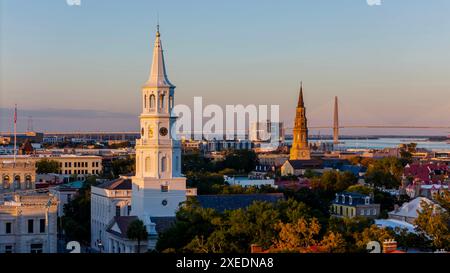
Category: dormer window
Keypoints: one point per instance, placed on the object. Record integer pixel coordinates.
(350, 200)
(367, 200)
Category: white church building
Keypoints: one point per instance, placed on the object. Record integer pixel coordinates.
(157, 188)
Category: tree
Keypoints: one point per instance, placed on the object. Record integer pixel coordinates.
(47, 166)
(297, 236)
(360, 189)
(385, 173)
(191, 221)
(333, 243)
(76, 221)
(407, 240)
(372, 233)
(137, 231)
(348, 227)
(243, 161)
(433, 222)
(123, 166)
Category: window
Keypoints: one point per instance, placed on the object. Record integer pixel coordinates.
(41, 225)
(171, 102)
(117, 211)
(161, 101)
(367, 200)
(36, 248)
(8, 228)
(374, 211)
(163, 164)
(28, 181)
(362, 212)
(8, 249)
(164, 188)
(69, 198)
(17, 182)
(145, 101)
(147, 164)
(30, 226)
(152, 101)
(6, 182)
(65, 164)
(129, 209)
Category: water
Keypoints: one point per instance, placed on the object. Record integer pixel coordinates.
(381, 143)
(393, 142)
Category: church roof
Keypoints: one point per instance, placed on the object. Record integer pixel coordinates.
(158, 75)
(303, 164)
(117, 184)
(119, 224)
(236, 201)
(163, 223)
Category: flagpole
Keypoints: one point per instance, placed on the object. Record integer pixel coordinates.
(15, 132)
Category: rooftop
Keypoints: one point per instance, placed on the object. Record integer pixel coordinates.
(121, 183)
(236, 201)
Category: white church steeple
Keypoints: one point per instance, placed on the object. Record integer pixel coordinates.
(158, 186)
(158, 75)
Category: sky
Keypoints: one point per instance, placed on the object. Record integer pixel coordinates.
(80, 68)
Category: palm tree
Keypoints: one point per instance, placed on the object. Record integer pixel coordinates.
(137, 231)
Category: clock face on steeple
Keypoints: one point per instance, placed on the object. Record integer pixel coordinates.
(163, 131)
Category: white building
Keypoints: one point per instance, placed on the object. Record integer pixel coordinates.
(158, 187)
(27, 218)
(246, 181)
(28, 224)
(108, 200)
(409, 211)
(265, 131)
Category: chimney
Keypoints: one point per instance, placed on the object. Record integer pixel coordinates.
(389, 246)
(255, 248)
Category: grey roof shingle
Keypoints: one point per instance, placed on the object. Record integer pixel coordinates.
(117, 184)
(236, 201)
(304, 164)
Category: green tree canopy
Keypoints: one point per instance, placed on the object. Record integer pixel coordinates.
(45, 165)
(137, 231)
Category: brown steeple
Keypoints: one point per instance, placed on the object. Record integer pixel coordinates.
(300, 97)
(300, 147)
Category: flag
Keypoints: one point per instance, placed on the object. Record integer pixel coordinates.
(15, 114)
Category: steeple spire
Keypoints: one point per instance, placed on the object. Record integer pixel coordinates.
(300, 97)
(158, 75)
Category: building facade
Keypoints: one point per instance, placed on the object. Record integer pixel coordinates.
(350, 204)
(108, 200)
(17, 175)
(28, 224)
(80, 166)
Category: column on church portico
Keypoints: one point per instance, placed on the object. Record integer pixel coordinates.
(118, 247)
(112, 245)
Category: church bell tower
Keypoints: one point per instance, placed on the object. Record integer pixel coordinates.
(300, 149)
(158, 187)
